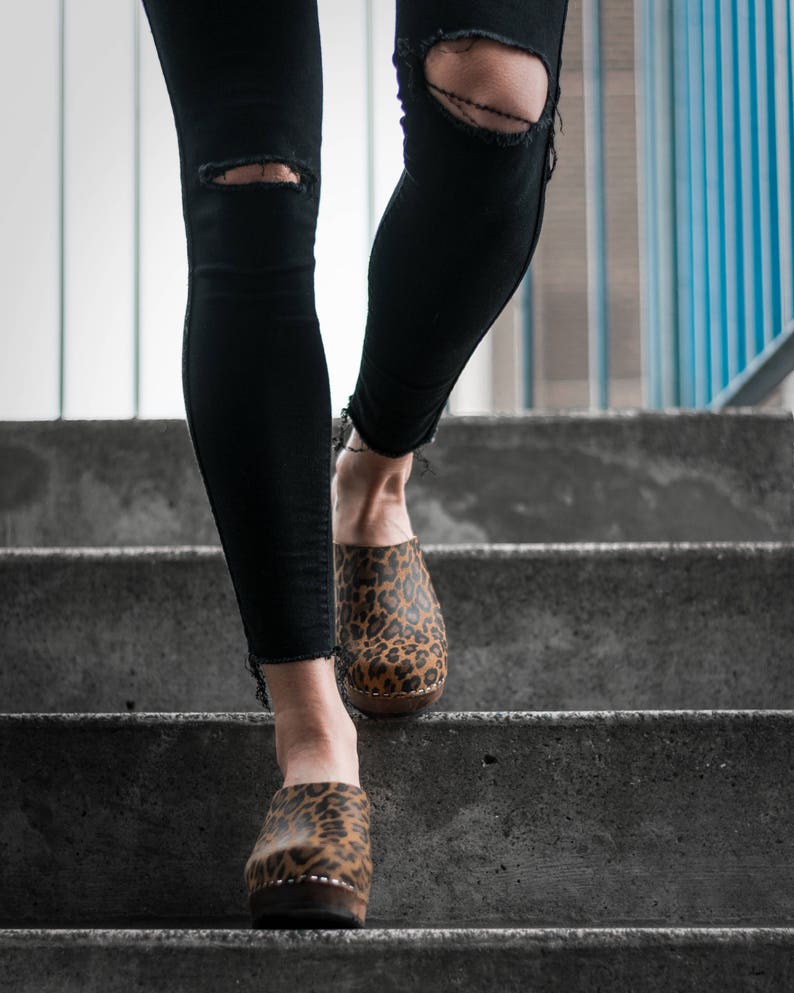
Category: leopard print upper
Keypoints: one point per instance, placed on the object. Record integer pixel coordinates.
(389, 620)
(318, 831)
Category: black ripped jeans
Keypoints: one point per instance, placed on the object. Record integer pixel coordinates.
(457, 236)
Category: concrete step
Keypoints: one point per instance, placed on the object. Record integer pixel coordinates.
(615, 476)
(530, 627)
(588, 960)
(478, 819)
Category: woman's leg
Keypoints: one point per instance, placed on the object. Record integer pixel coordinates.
(245, 84)
(479, 86)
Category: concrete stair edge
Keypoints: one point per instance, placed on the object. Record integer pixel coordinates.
(573, 960)
(582, 937)
(439, 550)
(493, 717)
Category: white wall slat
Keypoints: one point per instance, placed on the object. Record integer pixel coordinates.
(98, 209)
(163, 246)
(342, 227)
(388, 136)
(29, 240)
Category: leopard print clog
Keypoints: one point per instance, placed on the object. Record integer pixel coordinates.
(390, 628)
(311, 866)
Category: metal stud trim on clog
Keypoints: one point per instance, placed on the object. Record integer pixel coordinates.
(298, 879)
(427, 689)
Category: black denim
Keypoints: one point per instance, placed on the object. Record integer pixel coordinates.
(245, 84)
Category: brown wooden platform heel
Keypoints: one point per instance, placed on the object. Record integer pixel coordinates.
(311, 866)
(390, 626)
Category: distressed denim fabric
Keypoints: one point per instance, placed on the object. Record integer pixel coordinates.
(245, 84)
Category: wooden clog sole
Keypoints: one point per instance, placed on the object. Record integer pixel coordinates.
(398, 706)
(306, 905)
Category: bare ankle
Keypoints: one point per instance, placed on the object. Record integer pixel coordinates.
(367, 468)
(327, 757)
(368, 497)
(326, 727)
(308, 709)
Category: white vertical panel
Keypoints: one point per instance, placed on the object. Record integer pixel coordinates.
(98, 209)
(388, 135)
(342, 230)
(473, 392)
(163, 246)
(29, 178)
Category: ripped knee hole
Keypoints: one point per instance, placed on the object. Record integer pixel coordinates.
(257, 172)
(487, 83)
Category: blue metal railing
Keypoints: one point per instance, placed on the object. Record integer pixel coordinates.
(717, 90)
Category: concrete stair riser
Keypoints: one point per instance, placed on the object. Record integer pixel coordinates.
(427, 961)
(618, 476)
(478, 820)
(530, 627)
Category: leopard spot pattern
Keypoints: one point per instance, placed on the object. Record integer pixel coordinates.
(389, 620)
(318, 831)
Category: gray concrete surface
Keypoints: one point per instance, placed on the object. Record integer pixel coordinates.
(618, 476)
(478, 820)
(620, 960)
(529, 627)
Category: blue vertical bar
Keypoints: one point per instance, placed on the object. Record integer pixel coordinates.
(715, 218)
(700, 267)
(766, 187)
(728, 145)
(755, 156)
(790, 101)
(598, 339)
(683, 204)
(769, 135)
(782, 61)
(747, 181)
(737, 232)
(722, 330)
(790, 104)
